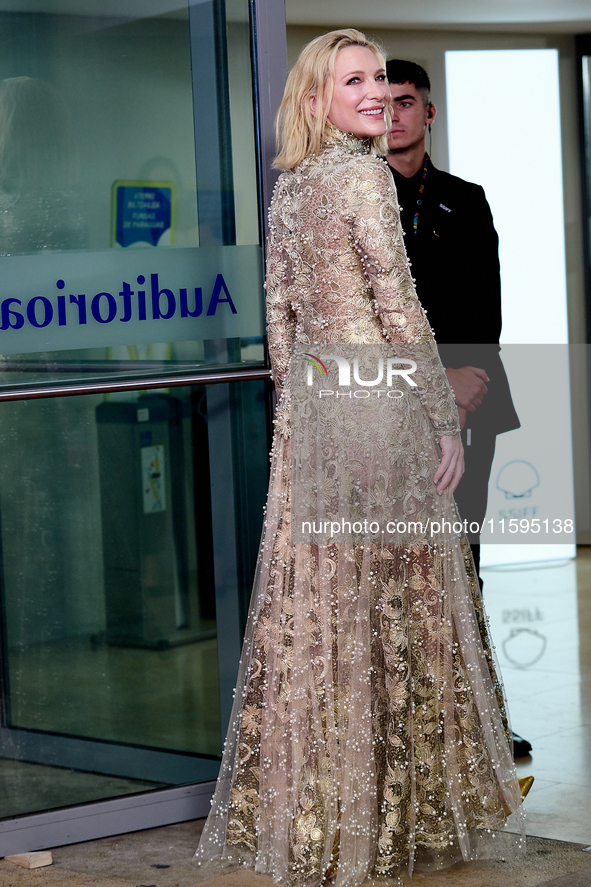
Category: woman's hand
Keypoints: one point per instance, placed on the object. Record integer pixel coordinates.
(451, 467)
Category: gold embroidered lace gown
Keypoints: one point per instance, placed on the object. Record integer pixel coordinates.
(369, 732)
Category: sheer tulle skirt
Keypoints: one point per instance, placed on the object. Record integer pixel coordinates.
(369, 730)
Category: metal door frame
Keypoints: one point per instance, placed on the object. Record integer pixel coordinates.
(583, 50)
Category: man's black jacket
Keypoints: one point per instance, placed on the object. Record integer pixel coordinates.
(455, 262)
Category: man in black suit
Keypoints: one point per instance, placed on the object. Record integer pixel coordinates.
(452, 245)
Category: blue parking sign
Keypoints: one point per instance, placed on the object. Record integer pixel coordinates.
(142, 213)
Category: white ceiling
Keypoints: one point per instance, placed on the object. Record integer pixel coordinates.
(563, 16)
(572, 16)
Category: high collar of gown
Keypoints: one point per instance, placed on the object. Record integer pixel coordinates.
(334, 137)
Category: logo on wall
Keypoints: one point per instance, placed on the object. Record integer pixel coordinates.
(524, 647)
(518, 479)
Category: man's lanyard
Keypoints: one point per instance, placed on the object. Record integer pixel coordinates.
(415, 219)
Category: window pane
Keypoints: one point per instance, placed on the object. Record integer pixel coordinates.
(113, 523)
(129, 225)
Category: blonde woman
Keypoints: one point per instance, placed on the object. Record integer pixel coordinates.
(369, 733)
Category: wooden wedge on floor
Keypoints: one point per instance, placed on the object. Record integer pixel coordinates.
(31, 860)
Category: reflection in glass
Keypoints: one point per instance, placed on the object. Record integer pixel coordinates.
(107, 579)
(121, 514)
(100, 590)
(39, 204)
(90, 99)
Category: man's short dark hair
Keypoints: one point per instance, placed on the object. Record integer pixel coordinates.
(402, 71)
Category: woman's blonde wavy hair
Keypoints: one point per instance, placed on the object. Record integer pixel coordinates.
(298, 133)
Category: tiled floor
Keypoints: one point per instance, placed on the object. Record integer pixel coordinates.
(541, 624)
(163, 857)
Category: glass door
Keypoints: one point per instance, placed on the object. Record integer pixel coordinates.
(133, 402)
(110, 526)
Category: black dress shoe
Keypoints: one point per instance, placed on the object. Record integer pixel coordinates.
(521, 747)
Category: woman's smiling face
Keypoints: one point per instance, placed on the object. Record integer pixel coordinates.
(360, 93)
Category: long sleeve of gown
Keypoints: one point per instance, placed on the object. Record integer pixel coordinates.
(378, 238)
(281, 320)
